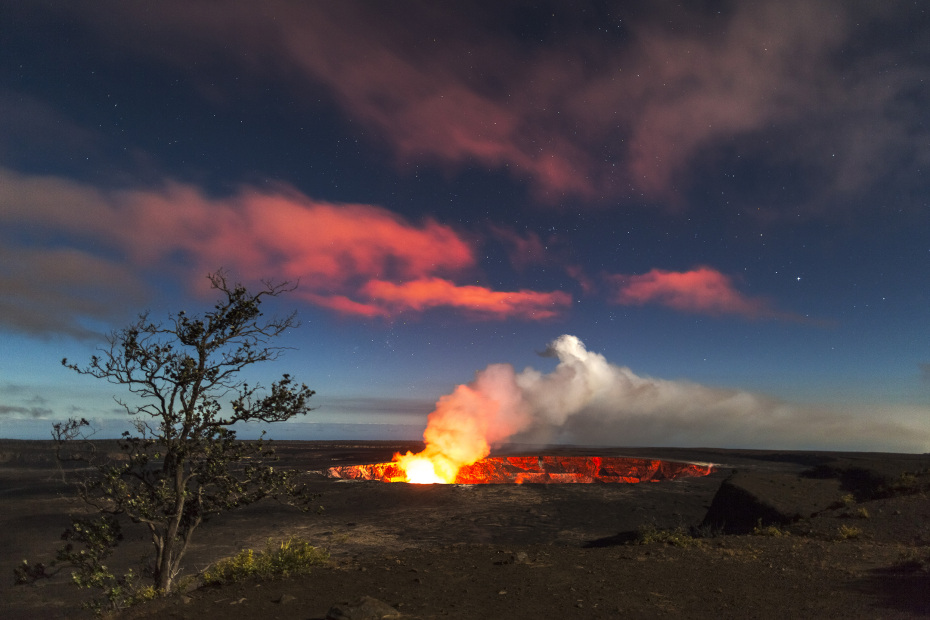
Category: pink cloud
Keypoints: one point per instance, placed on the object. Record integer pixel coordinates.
(353, 259)
(476, 300)
(343, 305)
(702, 291)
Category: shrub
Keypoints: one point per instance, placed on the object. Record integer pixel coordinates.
(287, 558)
(677, 537)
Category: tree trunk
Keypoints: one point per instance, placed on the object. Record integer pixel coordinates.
(164, 572)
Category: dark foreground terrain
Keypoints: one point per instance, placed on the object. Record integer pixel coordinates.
(842, 535)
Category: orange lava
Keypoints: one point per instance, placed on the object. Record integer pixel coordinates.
(533, 469)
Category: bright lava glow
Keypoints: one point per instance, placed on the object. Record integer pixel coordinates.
(420, 470)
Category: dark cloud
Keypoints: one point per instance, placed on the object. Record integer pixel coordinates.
(31, 412)
(53, 291)
(523, 250)
(32, 131)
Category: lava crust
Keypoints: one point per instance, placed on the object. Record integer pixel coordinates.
(542, 470)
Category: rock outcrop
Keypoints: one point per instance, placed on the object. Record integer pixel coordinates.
(747, 499)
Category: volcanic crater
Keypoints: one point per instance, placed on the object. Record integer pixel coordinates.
(541, 470)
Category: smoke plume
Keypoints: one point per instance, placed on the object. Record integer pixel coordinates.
(587, 400)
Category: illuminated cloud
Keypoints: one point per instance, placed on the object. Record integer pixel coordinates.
(584, 115)
(343, 305)
(354, 259)
(477, 300)
(702, 291)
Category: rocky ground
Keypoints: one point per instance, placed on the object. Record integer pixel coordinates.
(841, 536)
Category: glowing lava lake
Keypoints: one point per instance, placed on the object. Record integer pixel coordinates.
(541, 470)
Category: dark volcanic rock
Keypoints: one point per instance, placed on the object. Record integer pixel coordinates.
(366, 608)
(748, 499)
(869, 477)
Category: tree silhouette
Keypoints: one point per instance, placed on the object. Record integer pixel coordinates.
(184, 463)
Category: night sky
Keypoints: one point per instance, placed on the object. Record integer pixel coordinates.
(721, 196)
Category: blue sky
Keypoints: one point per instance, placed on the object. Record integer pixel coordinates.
(733, 195)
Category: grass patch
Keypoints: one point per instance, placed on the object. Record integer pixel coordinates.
(286, 558)
(677, 537)
(846, 532)
(769, 530)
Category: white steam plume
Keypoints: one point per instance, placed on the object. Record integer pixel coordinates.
(587, 400)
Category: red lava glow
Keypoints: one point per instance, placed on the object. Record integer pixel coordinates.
(538, 470)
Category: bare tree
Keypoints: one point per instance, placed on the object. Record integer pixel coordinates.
(184, 464)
